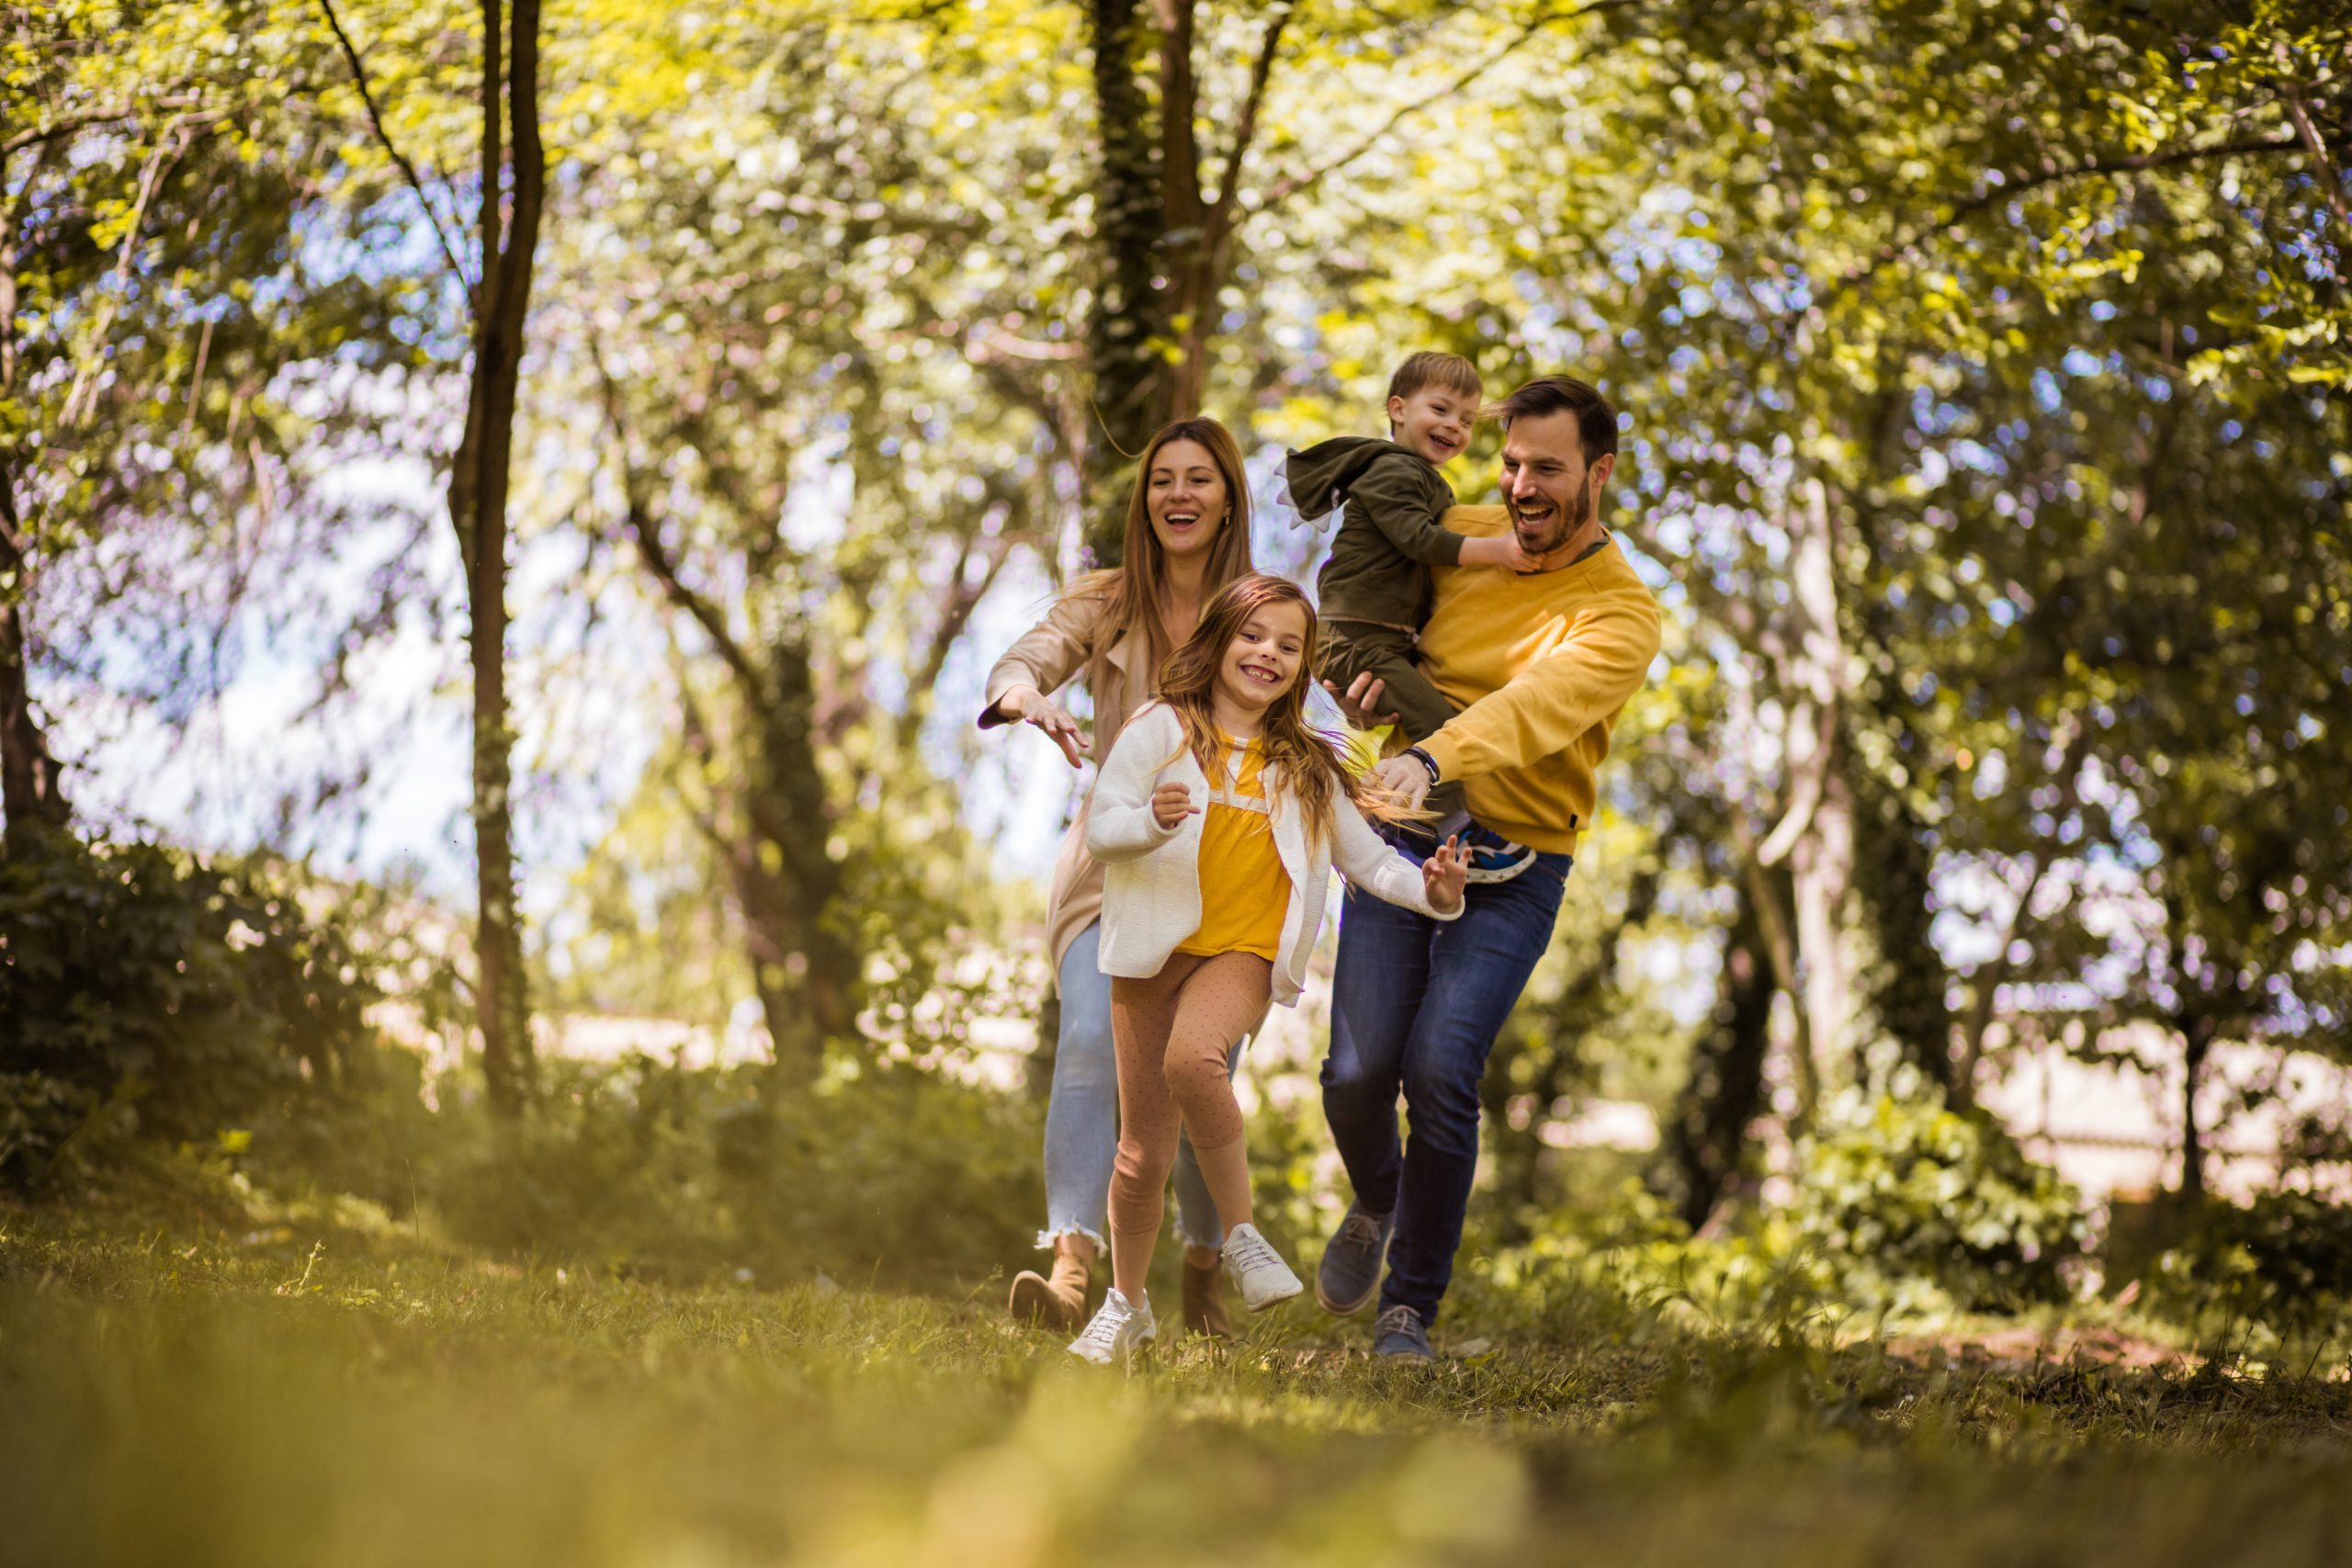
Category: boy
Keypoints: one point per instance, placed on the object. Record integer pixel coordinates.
(1374, 589)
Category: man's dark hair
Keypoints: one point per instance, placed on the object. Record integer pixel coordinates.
(1596, 417)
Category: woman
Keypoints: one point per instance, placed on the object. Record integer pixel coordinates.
(1187, 537)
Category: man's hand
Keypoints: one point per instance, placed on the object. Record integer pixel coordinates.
(1403, 779)
(1060, 726)
(1171, 804)
(1360, 701)
(1442, 875)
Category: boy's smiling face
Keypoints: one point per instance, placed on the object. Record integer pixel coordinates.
(1434, 422)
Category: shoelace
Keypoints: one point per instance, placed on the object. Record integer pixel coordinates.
(1251, 1252)
(1362, 1230)
(1398, 1320)
(1103, 1329)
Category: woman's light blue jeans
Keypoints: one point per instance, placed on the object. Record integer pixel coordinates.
(1082, 1118)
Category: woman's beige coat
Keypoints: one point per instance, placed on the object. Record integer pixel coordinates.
(1048, 655)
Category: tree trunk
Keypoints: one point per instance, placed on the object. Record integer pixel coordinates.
(809, 970)
(1130, 314)
(2197, 1043)
(478, 496)
(1725, 1090)
(1893, 869)
(29, 791)
(1821, 869)
(1817, 837)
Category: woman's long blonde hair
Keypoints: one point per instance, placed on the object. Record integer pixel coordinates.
(1133, 590)
(1310, 763)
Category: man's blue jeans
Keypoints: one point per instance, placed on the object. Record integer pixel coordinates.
(1415, 1005)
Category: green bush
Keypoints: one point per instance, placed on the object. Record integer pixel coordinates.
(891, 1171)
(177, 999)
(1894, 1194)
(1613, 1266)
(2281, 1264)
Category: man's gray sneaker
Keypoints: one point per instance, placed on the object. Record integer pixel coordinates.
(1349, 1275)
(1399, 1335)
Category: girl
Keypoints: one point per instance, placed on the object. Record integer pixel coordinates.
(1213, 897)
(1187, 537)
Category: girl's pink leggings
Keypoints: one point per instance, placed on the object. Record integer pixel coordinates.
(1175, 1036)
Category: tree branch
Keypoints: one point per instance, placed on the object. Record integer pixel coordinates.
(179, 135)
(1308, 178)
(963, 598)
(1245, 129)
(647, 533)
(2012, 185)
(376, 120)
(2329, 179)
(41, 133)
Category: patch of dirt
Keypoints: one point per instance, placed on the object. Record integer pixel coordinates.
(2022, 1349)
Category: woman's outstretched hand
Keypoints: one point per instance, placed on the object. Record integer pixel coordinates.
(1443, 874)
(1031, 706)
(1171, 804)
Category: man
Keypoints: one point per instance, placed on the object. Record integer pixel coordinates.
(1541, 664)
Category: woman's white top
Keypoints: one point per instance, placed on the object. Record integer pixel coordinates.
(1151, 898)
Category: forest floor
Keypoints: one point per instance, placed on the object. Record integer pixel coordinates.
(175, 1391)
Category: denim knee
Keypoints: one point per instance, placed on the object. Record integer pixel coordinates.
(1349, 1090)
(1084, 1054)
(1444, 1110)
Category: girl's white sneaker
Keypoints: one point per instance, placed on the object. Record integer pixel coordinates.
(1115, 1330)
(1257, 1270)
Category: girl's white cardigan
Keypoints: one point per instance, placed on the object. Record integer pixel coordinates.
(1151, 875)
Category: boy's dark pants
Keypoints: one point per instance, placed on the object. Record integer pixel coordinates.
(1350, 649)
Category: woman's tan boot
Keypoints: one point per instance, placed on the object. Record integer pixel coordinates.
(1058, 1301)
(1205, 1295)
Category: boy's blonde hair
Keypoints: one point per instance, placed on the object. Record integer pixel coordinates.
(1430, 368)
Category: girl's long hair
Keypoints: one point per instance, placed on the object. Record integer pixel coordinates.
(1133, 590)
(1309, 762)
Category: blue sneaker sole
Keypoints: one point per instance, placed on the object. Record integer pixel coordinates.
(1372, 1291)
(1347, 1309)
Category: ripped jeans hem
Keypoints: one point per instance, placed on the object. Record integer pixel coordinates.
(1047, 1238)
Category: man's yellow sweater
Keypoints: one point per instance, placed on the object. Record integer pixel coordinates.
(1541, 665)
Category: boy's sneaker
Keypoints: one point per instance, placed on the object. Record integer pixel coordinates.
(1349, 1275)
(1257, 1270)
(1116, 1329)
(1399, 1335)
(1493, 858)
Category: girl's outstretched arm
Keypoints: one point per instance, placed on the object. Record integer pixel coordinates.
(1121, 824)
(1366, 860)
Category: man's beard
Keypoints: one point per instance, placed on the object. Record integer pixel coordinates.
(1567, 520)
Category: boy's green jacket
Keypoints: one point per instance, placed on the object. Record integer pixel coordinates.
(1389, 534)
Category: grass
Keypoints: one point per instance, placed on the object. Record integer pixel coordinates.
(175, 1391)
